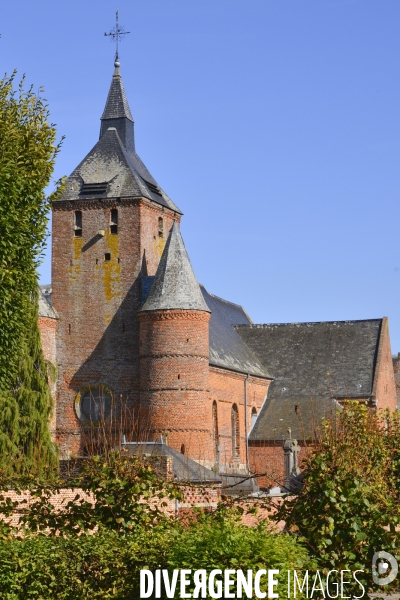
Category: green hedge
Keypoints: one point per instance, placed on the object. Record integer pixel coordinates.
(106, 565)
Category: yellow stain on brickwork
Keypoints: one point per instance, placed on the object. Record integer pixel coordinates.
(77, 242)
(112, 269)
(159, 244)
(75, 269)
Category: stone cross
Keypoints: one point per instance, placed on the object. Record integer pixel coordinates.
(291, 449)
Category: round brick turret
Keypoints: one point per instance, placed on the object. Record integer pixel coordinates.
(174, 388)
(174, 357)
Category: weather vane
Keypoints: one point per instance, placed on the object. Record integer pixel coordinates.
(117, 34)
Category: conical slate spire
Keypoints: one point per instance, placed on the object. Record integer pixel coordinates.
(175, 285)
(117, 112)
(112, 169)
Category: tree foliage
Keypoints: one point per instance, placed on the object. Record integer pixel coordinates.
(25, 411)
(117, 492)
(349, 507)
(220, 541)
(107, 566)
(27, 154)
(95, 546)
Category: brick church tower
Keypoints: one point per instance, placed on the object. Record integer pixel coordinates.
(108, 228)
(174, 356)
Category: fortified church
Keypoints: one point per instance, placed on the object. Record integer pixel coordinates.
(127, 323)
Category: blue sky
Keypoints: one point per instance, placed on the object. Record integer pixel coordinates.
(273, 124)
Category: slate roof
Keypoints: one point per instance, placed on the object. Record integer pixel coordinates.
(279, 414)
(175, 285)
(183, 467)
(113, 169)
(311, 363)
(45, 307)
(117, 103)
(227, 349)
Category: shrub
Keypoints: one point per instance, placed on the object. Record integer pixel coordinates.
(349, 506)
(106, 565)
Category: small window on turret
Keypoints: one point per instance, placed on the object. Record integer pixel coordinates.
(160, 227)
(78, 223)
(114, 221)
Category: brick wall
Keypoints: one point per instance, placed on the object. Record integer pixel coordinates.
(174, 394)
(226, 389)
(205, 497)
(384, 388)
(48, 330)
(396, 370)
(48, 333)
(267, 461)
(97, 300)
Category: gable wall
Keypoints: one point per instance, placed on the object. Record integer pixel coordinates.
(396, 369)
(384, 388)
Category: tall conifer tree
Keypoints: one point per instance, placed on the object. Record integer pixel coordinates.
(27, 154)
(25, 410)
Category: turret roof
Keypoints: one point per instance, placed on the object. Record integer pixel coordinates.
(45, 304)
(175, 285)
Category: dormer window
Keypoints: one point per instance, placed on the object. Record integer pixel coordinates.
(153, 187)
(94, 189)
(160, 227)
(114, 221)
(78, 223)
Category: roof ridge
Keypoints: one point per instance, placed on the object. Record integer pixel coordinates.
(261, 325)
(223, 299)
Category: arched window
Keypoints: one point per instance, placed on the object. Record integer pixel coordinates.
(78, 223)
(235, 433)
(94, 404)
(114, 221)
(183, 449)
(160, 227)
(253, 417)
(215, 432)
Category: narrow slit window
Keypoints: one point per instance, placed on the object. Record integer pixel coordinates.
(78, 223)
(160, 227)
(235, 433)
(114, 221)
(215, 432)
